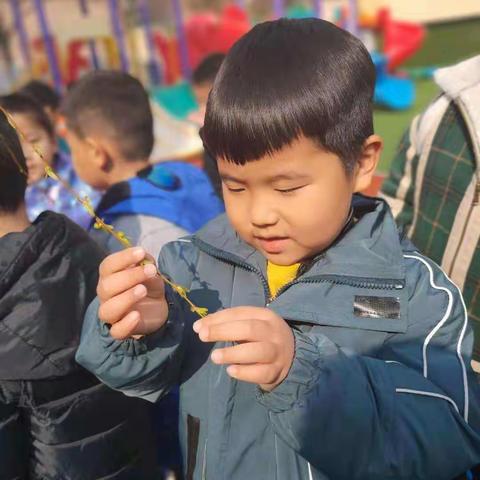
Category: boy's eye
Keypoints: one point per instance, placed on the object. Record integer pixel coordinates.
(235, 190)
(288, 190)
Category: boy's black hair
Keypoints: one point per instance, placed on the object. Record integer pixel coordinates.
(287, 79)
(208, 68)
(13, 168)
(113, 104)
(24, 104)
(42, 93)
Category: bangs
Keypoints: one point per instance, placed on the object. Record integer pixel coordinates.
(290, 79)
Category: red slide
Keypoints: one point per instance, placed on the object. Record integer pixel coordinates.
(400, 39)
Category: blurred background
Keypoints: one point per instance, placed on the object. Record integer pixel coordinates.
(163, 41)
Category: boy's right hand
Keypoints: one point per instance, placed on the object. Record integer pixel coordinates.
(132, 297)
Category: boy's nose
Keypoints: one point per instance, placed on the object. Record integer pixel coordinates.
(263, 215)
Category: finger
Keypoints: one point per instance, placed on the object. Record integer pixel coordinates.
(119, 282)
(260, 373)
(126, 327)
(245, 353)
(116, 262)
(236, 331)
(114, 309)
(233, 314)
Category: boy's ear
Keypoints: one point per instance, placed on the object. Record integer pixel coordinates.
(367, 163)
(98, 153)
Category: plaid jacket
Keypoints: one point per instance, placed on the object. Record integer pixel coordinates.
(434, 184)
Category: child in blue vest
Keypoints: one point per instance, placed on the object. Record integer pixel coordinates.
(110, 132)
(333, 349)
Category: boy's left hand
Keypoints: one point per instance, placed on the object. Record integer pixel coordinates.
(265, 344)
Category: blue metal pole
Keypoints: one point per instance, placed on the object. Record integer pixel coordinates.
(182, 39)
(352, 20)
(49, 45)
(91, 43)
(318, 8)
(153, 64)
(119, 34)
(22, 33)
(278, 8)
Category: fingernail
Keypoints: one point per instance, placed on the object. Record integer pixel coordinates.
(150, 270)
(197, 326)
(139, 291)
(139, 253)
(232, 370)
(216, 356)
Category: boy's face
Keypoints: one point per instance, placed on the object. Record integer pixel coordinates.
(85, 162)
(293, 204)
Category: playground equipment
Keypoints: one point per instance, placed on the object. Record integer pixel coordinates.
(163, 58)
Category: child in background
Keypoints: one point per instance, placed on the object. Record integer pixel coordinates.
(56, 420)
(50, 101)
(110, 133)
(203, 77)
(45, 96)
(202, 82)
(333, 349)
(44, 193)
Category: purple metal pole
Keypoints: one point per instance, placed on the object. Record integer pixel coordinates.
(182, 39)
(91, 43)
(49, 45)
(318, 8)
(278, 8)
(153, 64)
(22, 33)
(118, 32)
(352, 20)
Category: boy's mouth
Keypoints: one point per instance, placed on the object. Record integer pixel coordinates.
(272, 245)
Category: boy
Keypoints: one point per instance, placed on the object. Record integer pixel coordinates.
(56, 420)
(333, 350)
(110, 133)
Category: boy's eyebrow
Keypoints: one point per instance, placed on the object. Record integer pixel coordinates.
(271, 179)
(230, 178)
(287, 176)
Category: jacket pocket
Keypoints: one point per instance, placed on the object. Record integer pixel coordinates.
(193, 434)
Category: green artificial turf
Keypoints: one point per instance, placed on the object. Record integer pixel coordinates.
(445, 44)
(391, 125)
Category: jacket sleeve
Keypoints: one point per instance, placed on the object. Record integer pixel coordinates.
(147, 367)
(411, 412)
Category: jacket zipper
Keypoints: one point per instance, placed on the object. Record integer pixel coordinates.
(235, 261)
(358, 282)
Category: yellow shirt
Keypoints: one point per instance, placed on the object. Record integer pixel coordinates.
(279, 275)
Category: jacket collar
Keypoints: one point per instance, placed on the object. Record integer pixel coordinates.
(371, 248)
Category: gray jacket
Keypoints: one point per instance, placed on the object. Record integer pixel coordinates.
(380, 386)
